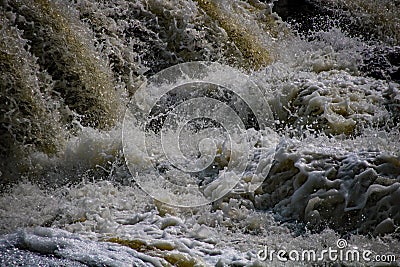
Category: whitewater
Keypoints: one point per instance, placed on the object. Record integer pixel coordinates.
(199, 133)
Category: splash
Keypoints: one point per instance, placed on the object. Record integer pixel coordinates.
(69, 69)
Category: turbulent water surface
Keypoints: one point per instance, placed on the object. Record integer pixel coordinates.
(199, 133)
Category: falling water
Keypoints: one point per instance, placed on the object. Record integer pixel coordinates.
(296, 147)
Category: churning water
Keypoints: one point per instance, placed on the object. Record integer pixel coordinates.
(199, 133)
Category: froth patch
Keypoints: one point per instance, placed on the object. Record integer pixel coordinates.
(331, 102)
(333, 185)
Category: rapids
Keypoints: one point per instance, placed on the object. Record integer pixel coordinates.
(198, 133)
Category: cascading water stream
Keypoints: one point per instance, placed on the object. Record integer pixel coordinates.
(198, 133)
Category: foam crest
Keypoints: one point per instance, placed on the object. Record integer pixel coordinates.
(331, 183)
